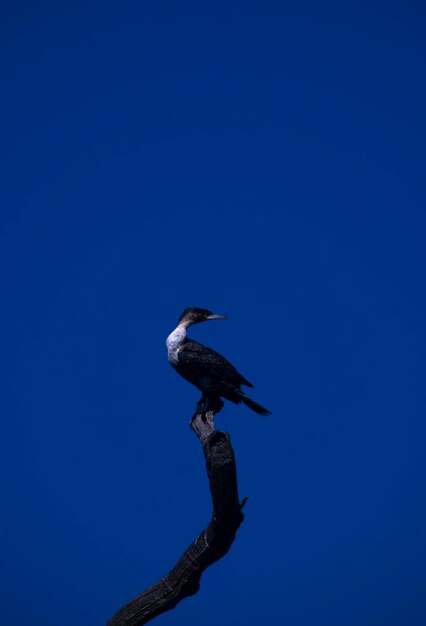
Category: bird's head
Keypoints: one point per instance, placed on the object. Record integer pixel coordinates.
(195, 316)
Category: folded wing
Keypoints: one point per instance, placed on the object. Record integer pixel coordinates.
(200, 361)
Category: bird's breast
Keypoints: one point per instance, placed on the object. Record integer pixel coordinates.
(174, 342)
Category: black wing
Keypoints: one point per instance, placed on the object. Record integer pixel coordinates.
(205, 362)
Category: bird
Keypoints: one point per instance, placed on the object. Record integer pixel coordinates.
(208, 370)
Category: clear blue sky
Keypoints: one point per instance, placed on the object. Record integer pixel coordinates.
(263, 160)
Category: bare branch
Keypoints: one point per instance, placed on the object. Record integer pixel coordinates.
(213, 542)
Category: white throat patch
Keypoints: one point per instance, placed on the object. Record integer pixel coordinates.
(174, 342)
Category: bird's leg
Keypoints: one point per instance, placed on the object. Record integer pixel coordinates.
(216, 404)
(203, 417)
(209, 403)
(200, 408)
(203, 405)
(201, 402)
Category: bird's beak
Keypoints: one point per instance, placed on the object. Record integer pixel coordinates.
(217, 317)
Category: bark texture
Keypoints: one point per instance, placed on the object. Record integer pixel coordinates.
(213, 542)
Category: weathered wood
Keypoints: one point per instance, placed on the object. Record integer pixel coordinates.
(213, 542)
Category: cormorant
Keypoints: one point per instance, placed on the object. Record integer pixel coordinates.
(209, 371)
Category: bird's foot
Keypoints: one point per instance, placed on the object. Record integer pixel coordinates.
(209, 403)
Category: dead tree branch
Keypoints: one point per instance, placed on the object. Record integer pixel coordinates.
(213, 542)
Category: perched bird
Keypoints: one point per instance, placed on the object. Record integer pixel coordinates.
(209, 371)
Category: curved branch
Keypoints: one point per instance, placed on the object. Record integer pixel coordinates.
(213, 542)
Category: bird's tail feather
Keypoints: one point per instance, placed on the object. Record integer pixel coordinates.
(254, 406)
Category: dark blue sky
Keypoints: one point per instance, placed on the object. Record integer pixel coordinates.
(262, 160)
